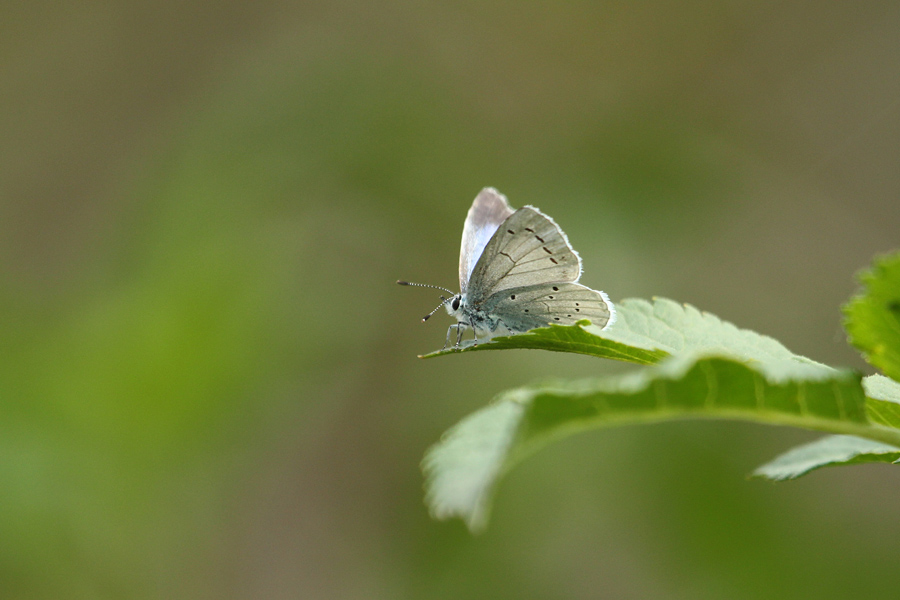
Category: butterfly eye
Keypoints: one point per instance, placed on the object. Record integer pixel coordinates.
(455, 304)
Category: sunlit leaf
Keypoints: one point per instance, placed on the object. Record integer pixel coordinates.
(645, 333)
(828, 451)
(882, 400)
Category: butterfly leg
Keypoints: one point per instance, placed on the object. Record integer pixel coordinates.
(458, 334)
(460, 328)
(474, 331)
(447, 341)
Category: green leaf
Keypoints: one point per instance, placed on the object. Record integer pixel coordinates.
(644, 333)
(463, 469)
(882, 408)
(873, 316)
(829, 451)
(882, 400)
(576, 338)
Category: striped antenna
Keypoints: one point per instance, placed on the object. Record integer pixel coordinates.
(437, 287)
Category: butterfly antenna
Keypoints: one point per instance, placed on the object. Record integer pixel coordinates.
(428, 316)
(437, 287)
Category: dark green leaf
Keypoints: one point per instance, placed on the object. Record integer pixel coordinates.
(873, 316)
(462, 470)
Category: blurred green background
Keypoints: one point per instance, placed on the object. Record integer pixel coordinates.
(208, 381)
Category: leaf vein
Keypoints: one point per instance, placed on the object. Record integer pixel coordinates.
(842, 411)
(758, 392)
(712, 385)
(801, 399)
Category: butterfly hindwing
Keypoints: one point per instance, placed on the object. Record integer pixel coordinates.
(489, 210)
(524, 308)
(527, 249)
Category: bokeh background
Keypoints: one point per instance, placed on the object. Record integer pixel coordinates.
(208, 378)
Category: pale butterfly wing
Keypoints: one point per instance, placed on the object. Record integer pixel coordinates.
(489, 210)
(523, 308)
(527, 249)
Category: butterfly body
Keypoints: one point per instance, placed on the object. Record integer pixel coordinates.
(517, 271)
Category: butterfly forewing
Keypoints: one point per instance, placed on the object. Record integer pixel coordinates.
(524, 308)
(527, 249)
(489, 210)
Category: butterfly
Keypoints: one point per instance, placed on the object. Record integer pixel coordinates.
(517, 271)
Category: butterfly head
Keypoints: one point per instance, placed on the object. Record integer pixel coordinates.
(454, 306)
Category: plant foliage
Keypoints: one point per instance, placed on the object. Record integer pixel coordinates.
(693, 365)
